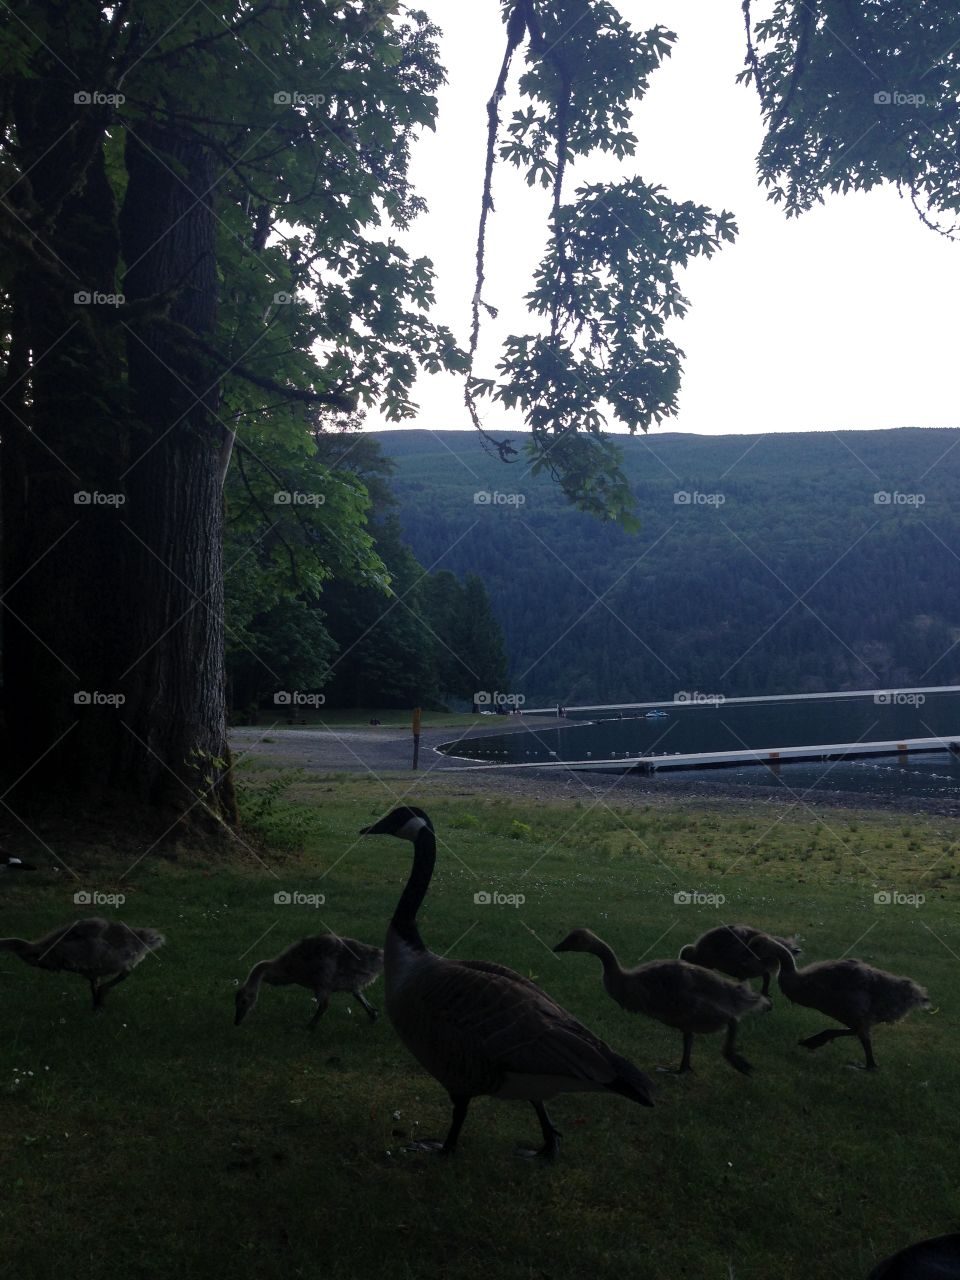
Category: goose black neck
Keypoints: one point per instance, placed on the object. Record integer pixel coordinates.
(405, 917)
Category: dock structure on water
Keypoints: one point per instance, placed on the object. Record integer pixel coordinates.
(773, 758)
(652, 761)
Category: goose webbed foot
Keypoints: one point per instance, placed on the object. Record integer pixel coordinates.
(549, 1151)
(739, 1064)
(431, 1146)
(676, 1071)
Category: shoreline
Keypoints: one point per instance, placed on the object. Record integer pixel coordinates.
(387, 750)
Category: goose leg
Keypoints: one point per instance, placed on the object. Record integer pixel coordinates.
(824, 1037)
(684, 1066)
(95, 993)
(322, 1001)
(729, 1050)
(371, 1011)
(105, 987)
(449, 1144)
(551, 1138)
(870, 1064)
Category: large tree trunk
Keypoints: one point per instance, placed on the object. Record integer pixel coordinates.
(113, 610)
(176, 708)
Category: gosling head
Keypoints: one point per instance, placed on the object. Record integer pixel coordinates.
(245, 1000)
(688, 953)
(405, 823)
(766, 948)
(578, 940)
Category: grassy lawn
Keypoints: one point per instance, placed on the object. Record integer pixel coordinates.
(158, 1140)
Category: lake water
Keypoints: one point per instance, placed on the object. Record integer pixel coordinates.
(604, 737)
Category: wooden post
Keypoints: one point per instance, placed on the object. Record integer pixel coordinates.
(416, 737)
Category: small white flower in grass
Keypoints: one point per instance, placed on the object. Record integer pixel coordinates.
(396, 1115)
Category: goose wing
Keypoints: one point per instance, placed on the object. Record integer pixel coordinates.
(481, 1028)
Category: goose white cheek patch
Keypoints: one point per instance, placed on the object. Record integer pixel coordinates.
(410, 829)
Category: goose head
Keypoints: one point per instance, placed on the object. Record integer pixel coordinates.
(688, 953)
(245, 1000)
(405, 823)
(578, 940)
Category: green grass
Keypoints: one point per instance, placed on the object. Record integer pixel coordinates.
(159, 1140)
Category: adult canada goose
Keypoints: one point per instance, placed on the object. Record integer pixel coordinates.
(322, 964)
(479, 1028)
(686, 996)
(937, 1259)
(729, 949)
(856, 994)
(93, 948)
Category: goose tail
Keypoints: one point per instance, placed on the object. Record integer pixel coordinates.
(630, 1082)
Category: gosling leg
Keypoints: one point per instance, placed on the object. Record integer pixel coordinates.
(322, 1001)
(105, 987)
(730, 1052)
(684, 1067)
(371, 1011)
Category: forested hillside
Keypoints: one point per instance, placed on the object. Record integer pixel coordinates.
(799, 563)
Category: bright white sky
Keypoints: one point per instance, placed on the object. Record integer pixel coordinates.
(840, 319)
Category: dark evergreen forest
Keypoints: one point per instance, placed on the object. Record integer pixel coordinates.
(800, 563)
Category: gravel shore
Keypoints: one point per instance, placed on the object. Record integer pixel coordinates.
(385, 750)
